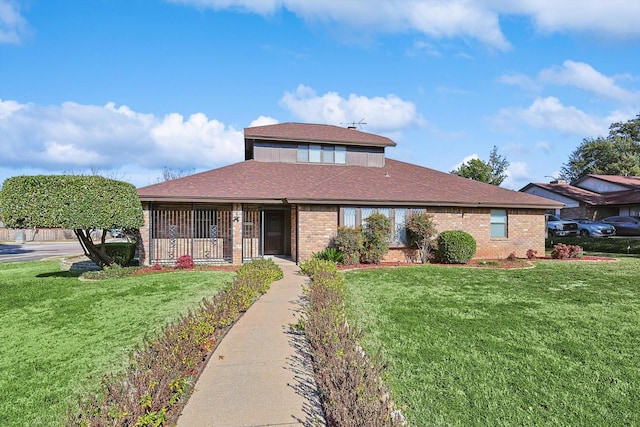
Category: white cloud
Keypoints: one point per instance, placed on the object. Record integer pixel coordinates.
(618, 18)
(261, 7)
(584, 76)
(468, 19)
(263, 121)
(465, 160)
(518, 175)
(74, 136)
(13, 26)
(520, 80)
(549, 114)
(386, 114)
(544, 146)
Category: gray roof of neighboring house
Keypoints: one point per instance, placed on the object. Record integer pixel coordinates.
(624, 197)
(397, 183)
(632, 182)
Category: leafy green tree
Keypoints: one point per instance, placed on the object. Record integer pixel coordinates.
(377, 234)
(617, 154)
(81, 203)
(491, 172)
(421, 230)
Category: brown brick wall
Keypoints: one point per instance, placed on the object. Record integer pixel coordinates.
(317, 225)
(294, 226)
(236, 233)
(593, 213)
(143, 244)
(526, 230)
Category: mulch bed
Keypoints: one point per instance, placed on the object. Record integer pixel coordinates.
(483, 263)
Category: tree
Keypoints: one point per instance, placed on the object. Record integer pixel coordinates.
(491, 172)
(617, 154)
(421, 230)
(169, 174)
(377, 232)
(81, 203)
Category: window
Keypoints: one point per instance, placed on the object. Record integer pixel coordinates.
(354, 217)
(327, 154)
(399, 229)
(498, 223)
(349, 217)
(341, 155)
(303, 153)
(315, 154)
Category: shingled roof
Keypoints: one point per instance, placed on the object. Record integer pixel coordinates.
(623, 197)
(632, 182)
(306, 132)
(397, 183)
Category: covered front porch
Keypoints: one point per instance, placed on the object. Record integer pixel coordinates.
(215, 233)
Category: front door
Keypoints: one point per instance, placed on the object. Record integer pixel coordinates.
(274, 231)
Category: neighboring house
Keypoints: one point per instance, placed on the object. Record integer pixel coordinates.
(592, 196)
(300, 182)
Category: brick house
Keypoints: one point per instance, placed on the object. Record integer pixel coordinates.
(300, 182)
(592, 196)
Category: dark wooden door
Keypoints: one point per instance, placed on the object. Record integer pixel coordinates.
(274, 232)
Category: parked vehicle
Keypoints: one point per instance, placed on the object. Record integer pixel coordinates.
(588, 228)
(561, 227)
(625, 225)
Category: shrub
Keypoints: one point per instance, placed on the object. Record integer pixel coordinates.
(562, 251)
(455, 247)
(329, 254)
(421, 229)
(511, 257)
(313, 265)
(185, 262)
(349, 382)
(156, 384)
(121, 252)
(531, 254)
(377, 232)
(350, 242)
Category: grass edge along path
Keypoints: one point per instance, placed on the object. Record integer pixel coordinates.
(157, 383)
(60, 334)
(554, 345)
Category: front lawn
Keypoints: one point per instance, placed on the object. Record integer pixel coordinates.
(59, 335)
(554, 345)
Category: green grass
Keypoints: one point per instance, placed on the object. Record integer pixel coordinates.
(59, 335)
(557, 345)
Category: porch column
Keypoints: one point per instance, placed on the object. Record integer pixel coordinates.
(236, 223)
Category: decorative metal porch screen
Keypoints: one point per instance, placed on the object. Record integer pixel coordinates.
(204, 232)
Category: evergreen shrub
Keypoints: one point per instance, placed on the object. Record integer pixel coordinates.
(455, 247)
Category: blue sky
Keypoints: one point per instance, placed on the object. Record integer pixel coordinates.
(125, 88)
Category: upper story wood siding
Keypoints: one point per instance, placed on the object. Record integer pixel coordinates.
(280, 152)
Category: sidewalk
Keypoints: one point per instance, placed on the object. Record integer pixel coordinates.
(259, 375)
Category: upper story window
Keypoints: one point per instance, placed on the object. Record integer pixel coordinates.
(313, 153)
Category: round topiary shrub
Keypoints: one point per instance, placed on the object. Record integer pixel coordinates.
(455, 247)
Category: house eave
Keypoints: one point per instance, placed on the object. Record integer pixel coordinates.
(168, 199)
(423, 203)
(319, 141)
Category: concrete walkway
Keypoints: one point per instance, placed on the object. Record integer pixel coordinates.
(259, 375)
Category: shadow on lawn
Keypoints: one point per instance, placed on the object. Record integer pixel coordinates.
(60, 274)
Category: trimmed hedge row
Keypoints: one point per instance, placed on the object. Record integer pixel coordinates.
(349, 381)
(158, 381)
(615, 245)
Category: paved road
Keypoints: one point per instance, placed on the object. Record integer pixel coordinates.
(30, 251)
